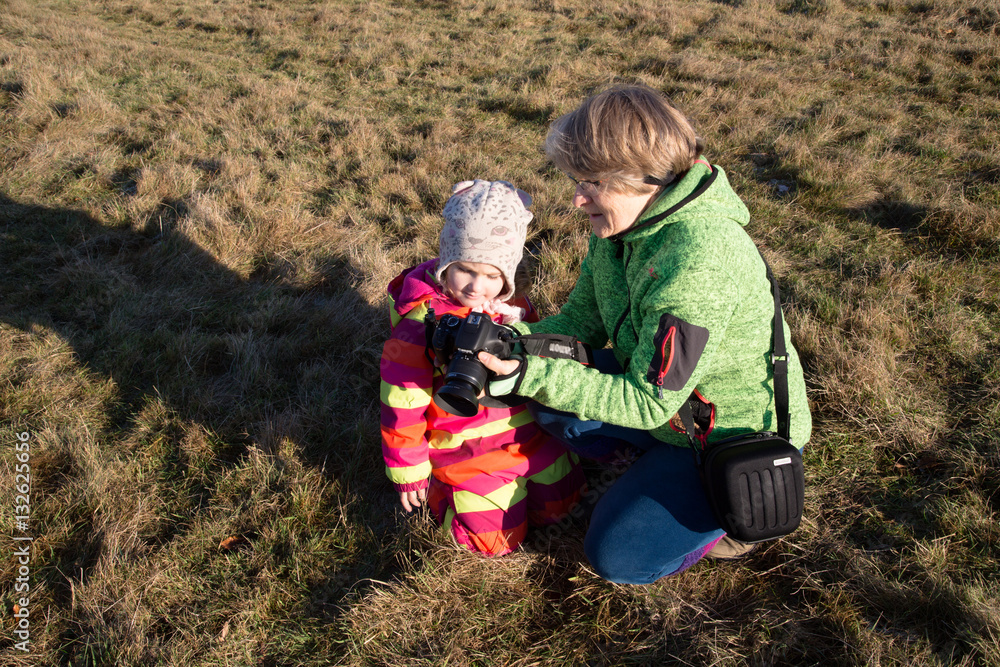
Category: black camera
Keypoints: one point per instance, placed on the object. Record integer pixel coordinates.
(458, 342)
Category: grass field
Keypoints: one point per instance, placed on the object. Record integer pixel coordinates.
(202, 201)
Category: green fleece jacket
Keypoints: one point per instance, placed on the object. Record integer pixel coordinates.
(686, 304)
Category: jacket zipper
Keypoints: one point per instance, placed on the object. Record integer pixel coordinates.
(665, 361)
(628, 298)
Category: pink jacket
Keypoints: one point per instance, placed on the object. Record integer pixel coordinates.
(419, 438)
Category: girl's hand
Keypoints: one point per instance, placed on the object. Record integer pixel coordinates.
(497, 365)
(411, 499)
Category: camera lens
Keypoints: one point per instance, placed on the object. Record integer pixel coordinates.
(464, 381)
(458, 398)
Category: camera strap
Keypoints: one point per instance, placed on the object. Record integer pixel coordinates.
(556, 346)
(430, 326)
(551, 346)
(779, 363)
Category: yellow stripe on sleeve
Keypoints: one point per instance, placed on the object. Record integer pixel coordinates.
(410, 474)
(405, 398)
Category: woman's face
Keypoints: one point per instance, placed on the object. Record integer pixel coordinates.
(611, 212)
(472, 283)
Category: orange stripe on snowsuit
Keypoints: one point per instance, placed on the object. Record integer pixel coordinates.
(402, 437)
(497, 461)
(500, 530)
(552, 512)
(498, 542)
(491, 533)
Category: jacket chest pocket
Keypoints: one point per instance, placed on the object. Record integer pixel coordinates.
(677, 347)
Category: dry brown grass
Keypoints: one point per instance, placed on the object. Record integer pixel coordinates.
(201, 204)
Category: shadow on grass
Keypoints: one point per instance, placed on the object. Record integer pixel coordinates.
(518, 110)
(909, 553)
(161, 318)
(894, 563)
(890, 214)
(255, 363)
(926, 230)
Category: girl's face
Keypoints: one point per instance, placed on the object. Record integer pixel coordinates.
(472, 283)
(611, 212)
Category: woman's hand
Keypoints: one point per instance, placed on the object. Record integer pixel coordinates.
(499, 366)
(411, 499)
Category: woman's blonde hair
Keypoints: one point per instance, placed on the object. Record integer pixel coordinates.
(626, 137)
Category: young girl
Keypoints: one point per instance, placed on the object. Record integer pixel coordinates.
(488, 476)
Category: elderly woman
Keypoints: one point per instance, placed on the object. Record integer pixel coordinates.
(674, 283)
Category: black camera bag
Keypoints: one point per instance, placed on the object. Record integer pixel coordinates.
(755, 483)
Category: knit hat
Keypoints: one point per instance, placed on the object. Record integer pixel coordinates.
(485, 222)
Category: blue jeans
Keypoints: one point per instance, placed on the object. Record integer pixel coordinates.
(655, 520)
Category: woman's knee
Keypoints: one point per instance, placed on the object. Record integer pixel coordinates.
(649, 524)
(622, 562)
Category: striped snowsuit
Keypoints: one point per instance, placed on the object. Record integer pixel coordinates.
(491, 474)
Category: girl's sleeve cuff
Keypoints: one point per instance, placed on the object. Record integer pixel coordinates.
(412, 486)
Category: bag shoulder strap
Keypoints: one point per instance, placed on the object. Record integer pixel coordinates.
(779, 366)
(779, 358)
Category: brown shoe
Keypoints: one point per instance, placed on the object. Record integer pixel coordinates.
(729, 549)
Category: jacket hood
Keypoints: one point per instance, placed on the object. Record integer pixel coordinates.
(704, 187)
(414, 286)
